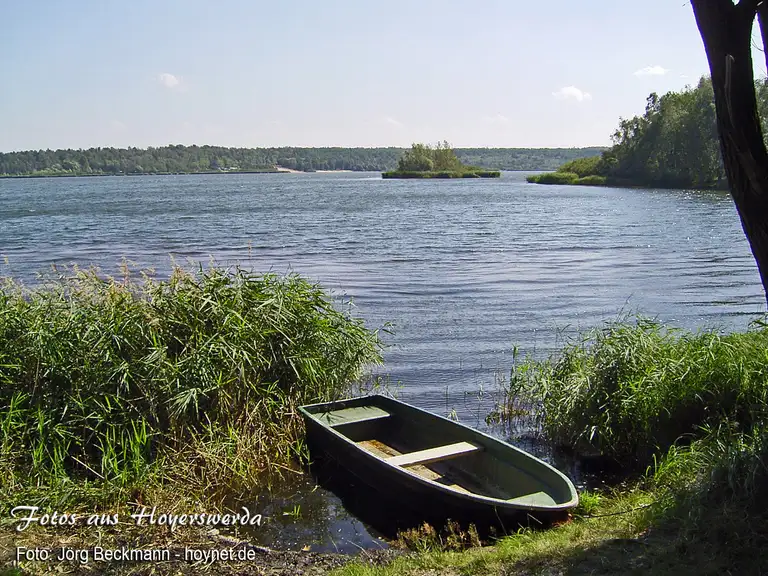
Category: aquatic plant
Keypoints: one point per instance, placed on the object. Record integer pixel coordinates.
(193, 380)
(553, 178)
(630, 390)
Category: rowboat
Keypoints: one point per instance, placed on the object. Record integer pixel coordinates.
(435, 467)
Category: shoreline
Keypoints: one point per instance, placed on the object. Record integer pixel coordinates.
(279, 170)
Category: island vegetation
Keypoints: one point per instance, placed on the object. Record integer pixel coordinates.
(674, 144)
(178, 159)
(438, 161)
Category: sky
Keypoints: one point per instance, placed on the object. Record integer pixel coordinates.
(485, 73)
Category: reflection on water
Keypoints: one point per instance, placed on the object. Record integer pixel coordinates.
(465, 270)
(301, 513)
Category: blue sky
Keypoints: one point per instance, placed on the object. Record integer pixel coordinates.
(335, 73)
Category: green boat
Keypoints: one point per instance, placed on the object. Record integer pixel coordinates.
(436, 468)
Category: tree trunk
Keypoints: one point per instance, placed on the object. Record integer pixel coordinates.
(726, 30)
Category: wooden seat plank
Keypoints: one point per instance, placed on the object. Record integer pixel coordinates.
(433, 454)
(352, 415)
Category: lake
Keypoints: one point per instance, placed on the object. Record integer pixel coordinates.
(465, 270)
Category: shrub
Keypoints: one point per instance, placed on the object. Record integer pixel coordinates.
(584, 166)
(553, 178)
(593, 180)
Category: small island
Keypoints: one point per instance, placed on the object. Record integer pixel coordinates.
(439, 161)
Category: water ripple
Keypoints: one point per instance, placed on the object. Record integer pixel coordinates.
(464, 270)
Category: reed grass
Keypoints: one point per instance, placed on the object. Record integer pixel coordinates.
(191, 382)
(632, 389)
(714, 496)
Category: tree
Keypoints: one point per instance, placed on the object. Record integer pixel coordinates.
(444, 158)
(726, 30)
(417, 159)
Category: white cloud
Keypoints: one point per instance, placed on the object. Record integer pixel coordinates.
(572, 93)
(497, 119)
(117, 125)
(651, 71)
(169, 80)
(392, 122)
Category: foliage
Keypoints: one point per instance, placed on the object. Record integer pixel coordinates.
(553, 178)
(467, 173)
(523, 158)
(571, 548)
(425, 538)
(593, 180)
(674, 144)
(426, 158)
(439, 161)
(104, 378)
(418, 159)
(203, 159)
(631, 390)
(582, 167)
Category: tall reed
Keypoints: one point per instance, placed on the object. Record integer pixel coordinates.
(630, 390)
(107, 379)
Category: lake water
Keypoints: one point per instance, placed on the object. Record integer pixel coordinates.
(465, 270)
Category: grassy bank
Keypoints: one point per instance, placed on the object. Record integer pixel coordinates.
(629, 391)
(684, 414)
(135, 389)
(580, 172)
(442, 174)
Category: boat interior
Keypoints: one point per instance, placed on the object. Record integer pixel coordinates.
(453, 456)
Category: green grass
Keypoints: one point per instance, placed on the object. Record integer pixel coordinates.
(479, 173)
(583, 166)
(554, 551)
(111, 386)
(592, 180)
(629, 391)
(553, 178)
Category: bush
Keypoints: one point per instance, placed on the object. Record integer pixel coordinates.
(553, 178)
(713, 495)
(593, 180)
(592, 165)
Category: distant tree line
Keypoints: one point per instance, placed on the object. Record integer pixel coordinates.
(199, 159)
(674, 144)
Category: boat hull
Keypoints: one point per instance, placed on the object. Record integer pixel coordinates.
(406, 498)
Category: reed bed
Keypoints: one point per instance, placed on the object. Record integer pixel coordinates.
(632, 389)
(688, 409)
(190, 382)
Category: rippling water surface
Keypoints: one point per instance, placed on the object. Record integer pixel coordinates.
(464, 269)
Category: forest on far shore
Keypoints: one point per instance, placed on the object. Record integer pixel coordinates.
(674, 144)
(178, 159)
